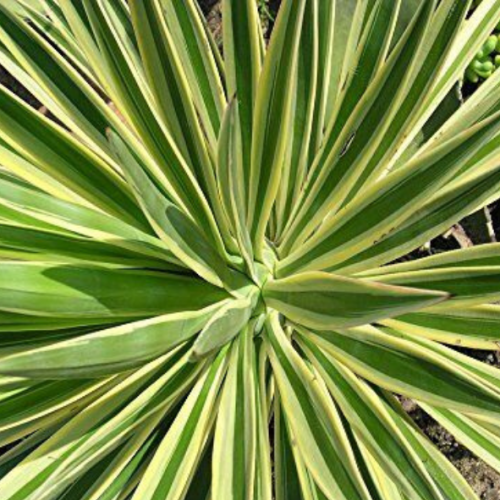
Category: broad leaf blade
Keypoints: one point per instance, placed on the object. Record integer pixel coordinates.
(326, 301)
(96, 355)
(94, 292)
(222, 327)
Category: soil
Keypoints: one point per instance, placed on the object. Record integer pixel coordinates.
(484, 480)
(11, 83)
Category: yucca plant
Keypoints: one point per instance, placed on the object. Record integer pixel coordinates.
(203, 290)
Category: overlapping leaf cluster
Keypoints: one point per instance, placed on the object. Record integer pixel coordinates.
(197, 249)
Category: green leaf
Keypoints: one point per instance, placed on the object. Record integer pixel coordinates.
(51, 22)
(308, 105)
(405, 367)
(41, 399)
(326, 301)
(199, 61)
(431, 60)
(273, 109)
(183, 237)
(347, 24)
(450, 481)
(313, 420)
(223, 326)
(369, 59)
(53, 151)
(169, 473)
(66, 291)
(138, 402)
(470, 40)
(45, 245)
(287, 479)
(435, 216)
(199, 488)
(388, 203)
(361, 407)
(323, 35)
(475, 437)
(243, 62)
(95, 354)
(11, 458)
(235, 441)
(476, 256)
(406, 13)
(477, 327)
(465, 285)
(53, 80)
(332, 172)
(483, 373)
(230, 180)
(170, 86)
(125, 79)
(168, 82)
(26, 206)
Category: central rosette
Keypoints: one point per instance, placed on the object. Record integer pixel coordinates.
(316, 300)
